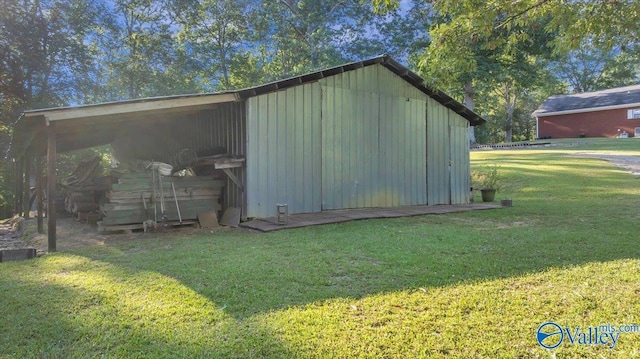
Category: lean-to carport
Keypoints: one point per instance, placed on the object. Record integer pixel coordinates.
(51, 131)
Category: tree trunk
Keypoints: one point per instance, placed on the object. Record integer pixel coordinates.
(468, 101)
(508, 126)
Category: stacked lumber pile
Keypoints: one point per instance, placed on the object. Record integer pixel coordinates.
(132, 199)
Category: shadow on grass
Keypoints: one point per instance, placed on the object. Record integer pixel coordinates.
(88, 309)
(250, 274)
(552, 225)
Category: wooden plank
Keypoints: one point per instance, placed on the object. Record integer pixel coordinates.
(19, 187)
(51, 187)
(160, 104)
(149, 201)
(139, 215)
(231, 217)
(233, 178)
(191, 216)
(110, 207)
(133, 226)
(26, 204)
(147, 177)
(131, 175)
(177, 184)
(39, 191)
(114, 196)
(91, 187)
(208, 219)
(221, 166)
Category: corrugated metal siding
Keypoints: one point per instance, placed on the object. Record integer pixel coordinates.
(353, 140)
(228, 129)
(459, 150)
(438, 177)
(223, 126)
(284, 151)
(373, 131)
(403, 150)
(447, 156)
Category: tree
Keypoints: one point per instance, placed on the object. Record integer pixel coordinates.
(43, 59)
(300, 36)
(217, 34)
(44, 62)
(469, 35)
(608, 22)
(589, 68)
(401, 33)
(140, 53)
(504, 69)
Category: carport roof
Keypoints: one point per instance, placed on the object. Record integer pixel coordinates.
(94, 125)
(620, 97)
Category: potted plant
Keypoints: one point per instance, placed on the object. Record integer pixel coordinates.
(488, 180)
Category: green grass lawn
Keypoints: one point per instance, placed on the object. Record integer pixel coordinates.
(467, 285)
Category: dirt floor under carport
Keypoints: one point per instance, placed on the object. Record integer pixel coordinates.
(71, 235)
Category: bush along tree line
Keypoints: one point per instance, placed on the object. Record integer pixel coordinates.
(500, 58)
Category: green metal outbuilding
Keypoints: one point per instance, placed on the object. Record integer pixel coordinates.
(368, 134)
(364, 134)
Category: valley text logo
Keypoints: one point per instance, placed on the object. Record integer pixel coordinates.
(550, 335)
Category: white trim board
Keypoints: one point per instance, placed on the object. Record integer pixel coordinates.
(131, 107)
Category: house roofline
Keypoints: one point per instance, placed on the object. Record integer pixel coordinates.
(583, 110)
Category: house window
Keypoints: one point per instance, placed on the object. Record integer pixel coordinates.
(633, 114)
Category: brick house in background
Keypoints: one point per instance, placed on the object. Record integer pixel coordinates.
(606, 113)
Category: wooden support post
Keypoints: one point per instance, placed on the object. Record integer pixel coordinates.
(39, 191)
(51, 186)
(19, 185)
(233, 178)
(15, 186)
(26, 204)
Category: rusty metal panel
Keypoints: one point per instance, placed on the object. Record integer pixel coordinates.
(283, 151)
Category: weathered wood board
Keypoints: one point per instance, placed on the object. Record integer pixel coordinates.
(132, 198)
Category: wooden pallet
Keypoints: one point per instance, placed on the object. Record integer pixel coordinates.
(139, 226)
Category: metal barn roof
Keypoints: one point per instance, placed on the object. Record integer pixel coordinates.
(609, 99)
(93, 125)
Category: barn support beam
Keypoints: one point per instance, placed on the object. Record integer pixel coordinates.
(39, 191)
(19, 184)
(26, 198)
(51, 187)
